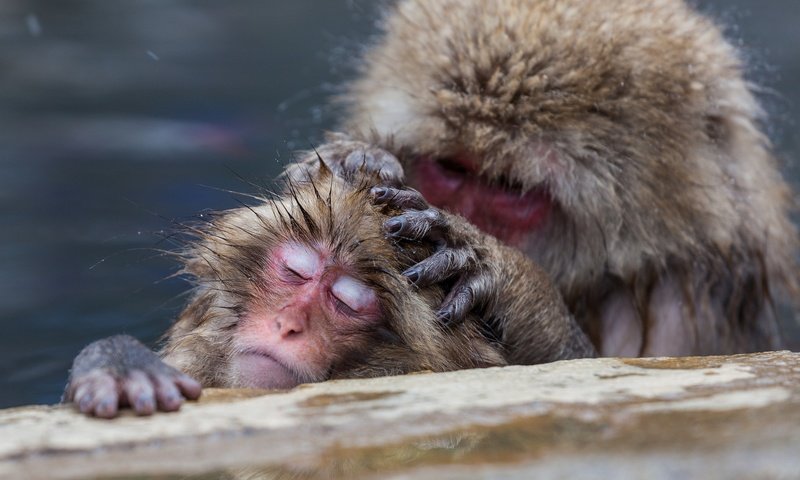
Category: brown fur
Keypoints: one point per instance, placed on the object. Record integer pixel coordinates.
(672, 233)
(227, 258)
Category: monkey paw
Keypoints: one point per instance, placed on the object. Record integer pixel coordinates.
(120, 372)
(458, 257)
(345, 157)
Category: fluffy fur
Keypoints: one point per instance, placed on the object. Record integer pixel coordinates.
(672, 231)
(227, 260)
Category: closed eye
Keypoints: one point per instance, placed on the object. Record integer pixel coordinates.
(300, 261)
(294, 273)
(349, 292)
(343, 307)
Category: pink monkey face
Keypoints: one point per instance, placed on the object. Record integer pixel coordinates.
(312, 311)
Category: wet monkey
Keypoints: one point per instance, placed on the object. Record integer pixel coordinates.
(618, 147)
(310, 286)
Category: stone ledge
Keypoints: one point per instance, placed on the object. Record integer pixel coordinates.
(696, 417)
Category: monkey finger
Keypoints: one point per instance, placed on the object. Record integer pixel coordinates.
(75, 391)
(416, 225)
(440, 266)
(76, 388)
(139, 393)
(168, 396)
(84, 397)
(373, 160)
(107, 407)
(90, 389)
(189, 387)
(465, 295)
(403, 199)
(106, 399)
(359, 159)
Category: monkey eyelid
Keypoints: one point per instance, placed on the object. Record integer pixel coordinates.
(352, 293)
(343, 307)
(295, 273)
(300, 260)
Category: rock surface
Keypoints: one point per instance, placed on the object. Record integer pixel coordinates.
(709, 417)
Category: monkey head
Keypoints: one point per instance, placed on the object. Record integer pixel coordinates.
(307, 287)
(563, 129)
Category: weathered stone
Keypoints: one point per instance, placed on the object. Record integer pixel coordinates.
(711, 417)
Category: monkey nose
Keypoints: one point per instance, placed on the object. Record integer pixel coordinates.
(291, 325)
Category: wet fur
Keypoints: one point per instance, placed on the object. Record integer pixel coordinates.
(673, 234)
(226, 259)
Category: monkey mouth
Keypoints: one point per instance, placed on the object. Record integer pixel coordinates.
(500, 208)
(257, 368)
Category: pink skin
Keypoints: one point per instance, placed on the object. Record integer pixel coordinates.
(456, 186)
(293, 336)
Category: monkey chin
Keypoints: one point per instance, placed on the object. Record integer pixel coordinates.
(259, 369)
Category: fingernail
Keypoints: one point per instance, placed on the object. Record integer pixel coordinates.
(106, 407)
(378, 192)
(393, 225)
(412, 274)
(143, 403)
(445, 316)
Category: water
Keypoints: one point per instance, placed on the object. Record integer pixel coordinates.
(118, 119)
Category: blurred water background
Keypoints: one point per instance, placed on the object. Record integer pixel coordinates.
(119, 118)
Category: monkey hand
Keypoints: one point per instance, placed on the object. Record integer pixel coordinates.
(121, 372)
(462, 253)
(511, 295)
(344, 158)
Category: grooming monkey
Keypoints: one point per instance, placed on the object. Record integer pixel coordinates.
(309, 287)
(618, 146)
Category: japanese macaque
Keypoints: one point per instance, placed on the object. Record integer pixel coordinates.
(311, 286)
(618, 146)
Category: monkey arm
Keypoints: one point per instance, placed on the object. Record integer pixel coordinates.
(510, 294)
(526, 310)
(120, 371)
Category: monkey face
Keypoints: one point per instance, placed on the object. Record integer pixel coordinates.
(315, 309)
(307, 287)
